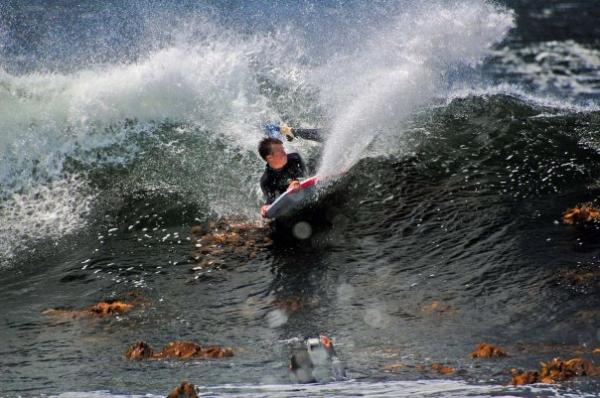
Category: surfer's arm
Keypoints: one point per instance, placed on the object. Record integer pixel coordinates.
(265, 207)
(270, 196)
(308, 134)
(268, 193)
(268, 189)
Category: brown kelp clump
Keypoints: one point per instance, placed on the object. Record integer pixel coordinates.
(177, 349)
(395, 367)
(185, 390)
(108, 308)
(555, 371)
(559, 370)
(101, 309)
(485, 350)
(442, 369)
(583, 213)
(520, 377)
(219, 242)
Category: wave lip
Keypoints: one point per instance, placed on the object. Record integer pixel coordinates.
(50, 120)
(545, 101)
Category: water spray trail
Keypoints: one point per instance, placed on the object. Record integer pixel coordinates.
(400, 68)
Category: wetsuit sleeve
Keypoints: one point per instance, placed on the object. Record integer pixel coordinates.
(308, 134)
(270, 197)
(268, 191)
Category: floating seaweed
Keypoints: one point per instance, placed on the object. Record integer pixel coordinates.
(177, 349)
(485, 350)
(583, 213)
(102, 309)
(219, 242)
(555, 371)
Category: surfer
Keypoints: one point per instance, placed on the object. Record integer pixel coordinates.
(282, 170)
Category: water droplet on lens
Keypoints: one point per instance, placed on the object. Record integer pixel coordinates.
(302, 230)
(276, 318)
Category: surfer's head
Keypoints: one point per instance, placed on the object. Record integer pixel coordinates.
(272, 151)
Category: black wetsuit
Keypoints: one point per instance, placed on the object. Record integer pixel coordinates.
(275, 182)
(308, 134)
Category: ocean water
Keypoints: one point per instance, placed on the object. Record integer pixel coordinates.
(465, 129)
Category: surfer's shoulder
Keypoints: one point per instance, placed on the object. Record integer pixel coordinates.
(294, 156)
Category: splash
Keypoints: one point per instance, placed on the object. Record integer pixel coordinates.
(101, 116)
(211, 85)
(400, 68)
(43, 212)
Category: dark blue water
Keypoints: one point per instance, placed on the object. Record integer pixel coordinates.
(467, 128)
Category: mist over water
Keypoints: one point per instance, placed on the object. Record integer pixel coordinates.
(465, 129)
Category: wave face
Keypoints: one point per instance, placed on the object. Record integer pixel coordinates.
(203, 88)
(466, 128)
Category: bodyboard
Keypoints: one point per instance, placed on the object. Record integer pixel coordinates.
(290, 201)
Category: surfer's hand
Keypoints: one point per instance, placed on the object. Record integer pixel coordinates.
(294, 185)
(286, 131)
(263, 210)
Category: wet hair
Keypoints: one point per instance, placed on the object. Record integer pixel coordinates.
(264, 147)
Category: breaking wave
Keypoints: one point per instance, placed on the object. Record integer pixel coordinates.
(208, 89)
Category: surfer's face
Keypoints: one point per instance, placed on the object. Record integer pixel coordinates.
(278, 158)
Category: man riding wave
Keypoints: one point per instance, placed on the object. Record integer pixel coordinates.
(282, 171)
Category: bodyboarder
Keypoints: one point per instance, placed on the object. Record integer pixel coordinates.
(282, 171)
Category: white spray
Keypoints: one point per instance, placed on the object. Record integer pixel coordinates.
(47, 118)
(400, 68)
